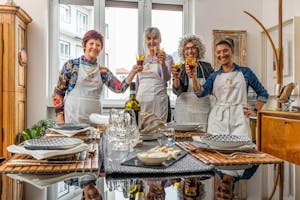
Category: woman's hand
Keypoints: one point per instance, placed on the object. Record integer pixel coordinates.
(191, 70)
(175, 72)
(60, 119)
(137, 68)
(249, 113)
(161, 58)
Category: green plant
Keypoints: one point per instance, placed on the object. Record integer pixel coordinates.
(38, 129)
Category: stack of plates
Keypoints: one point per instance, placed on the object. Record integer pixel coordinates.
(52, 143)
(70, 126)
(70, 129)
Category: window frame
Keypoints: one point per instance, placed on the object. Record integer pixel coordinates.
(67, 16)
(144, 16)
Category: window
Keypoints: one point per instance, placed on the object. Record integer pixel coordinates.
(82, 22)
(65, 14)
(170, 33)
(123, 23)
(64, 49)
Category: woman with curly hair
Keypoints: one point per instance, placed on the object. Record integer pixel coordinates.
(188, 107)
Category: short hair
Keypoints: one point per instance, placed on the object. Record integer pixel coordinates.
(227, 41)
(196, 41)
(92, 34)
(151, 30)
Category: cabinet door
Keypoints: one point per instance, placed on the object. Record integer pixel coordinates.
(20, 68)
(280, 137)
(1, 89)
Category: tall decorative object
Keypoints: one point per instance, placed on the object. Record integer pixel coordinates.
(13, 69)
(278, 54)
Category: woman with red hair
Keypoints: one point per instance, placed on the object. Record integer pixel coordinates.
(80, 83)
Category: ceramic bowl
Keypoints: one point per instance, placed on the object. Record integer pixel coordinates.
(225, 141)
(152, 158)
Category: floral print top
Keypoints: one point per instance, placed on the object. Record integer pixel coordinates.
(68, 77)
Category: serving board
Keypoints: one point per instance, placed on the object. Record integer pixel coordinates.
(137, 163)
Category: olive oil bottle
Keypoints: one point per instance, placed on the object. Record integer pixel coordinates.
(132, 103)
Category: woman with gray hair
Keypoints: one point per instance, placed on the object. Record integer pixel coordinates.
(151, 82)
(188, 107)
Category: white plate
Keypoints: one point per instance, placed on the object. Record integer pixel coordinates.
(188, 126)
(225, 141)
(52, 143)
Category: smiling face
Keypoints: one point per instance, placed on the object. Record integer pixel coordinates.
(190, 50)
(223, 54)
(92, 49)
(152, 42)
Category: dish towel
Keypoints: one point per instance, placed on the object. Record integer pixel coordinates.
(43, 154)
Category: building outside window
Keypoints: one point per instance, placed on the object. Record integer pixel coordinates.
(82, 22)
(65, 13)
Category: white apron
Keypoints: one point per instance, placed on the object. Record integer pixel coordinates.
(190, 108)
(227, 116)
(152, 92)
(84, 99)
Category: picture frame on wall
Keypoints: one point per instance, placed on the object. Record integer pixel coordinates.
(290, 44)
(239, 38)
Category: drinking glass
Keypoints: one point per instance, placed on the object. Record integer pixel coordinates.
(131, 128)
(169, 136)
(118, 143)
(140, 58)
(191, 62)
(157, 51)
(178, 66)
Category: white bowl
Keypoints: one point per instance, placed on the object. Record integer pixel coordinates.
(225, 141)
(155, 158)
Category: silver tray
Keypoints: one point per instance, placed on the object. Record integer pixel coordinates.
(52, 143)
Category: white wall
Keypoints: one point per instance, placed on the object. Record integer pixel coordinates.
(228, 15)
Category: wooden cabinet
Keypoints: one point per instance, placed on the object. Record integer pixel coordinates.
(279, 134)
(13, 36)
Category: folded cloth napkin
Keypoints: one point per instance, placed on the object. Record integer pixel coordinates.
(43, 154)
(99, 119)
(69, 133)
(150, 123)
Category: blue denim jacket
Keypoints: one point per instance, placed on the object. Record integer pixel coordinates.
(250, 77)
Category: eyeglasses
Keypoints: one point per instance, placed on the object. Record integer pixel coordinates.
(192, 48)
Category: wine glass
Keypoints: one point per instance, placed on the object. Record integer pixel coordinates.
(158, 51)
(140, 58)
(191, 62)
(177, 65)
